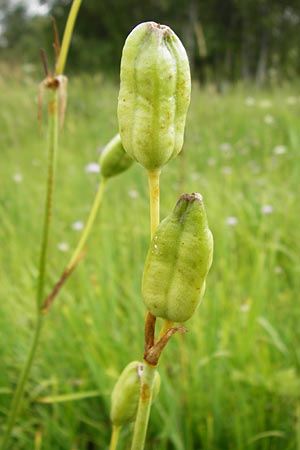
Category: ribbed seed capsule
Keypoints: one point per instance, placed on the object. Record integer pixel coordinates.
(154, 94)
(113, 159)
(178, 261)
(126, 393)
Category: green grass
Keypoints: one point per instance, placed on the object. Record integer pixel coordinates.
(233, 381)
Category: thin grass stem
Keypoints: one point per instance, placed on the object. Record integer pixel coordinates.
(89, 224)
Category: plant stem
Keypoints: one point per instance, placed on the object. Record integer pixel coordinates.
(18, 394)
(153, 180)
(144, 407)
(60, 65)
(114, 437)
(52, 149)
(147, 378)
(167, 324)
(89, 223)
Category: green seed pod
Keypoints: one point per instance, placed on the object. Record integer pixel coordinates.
(126, 393)
(154, 94)
(178, 261)
(113, 159)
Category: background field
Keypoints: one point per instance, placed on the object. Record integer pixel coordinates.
(233, 381)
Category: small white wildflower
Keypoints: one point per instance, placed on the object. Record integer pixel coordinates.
(194, 176)
(36, 162)
(244, 151)
(250, 101)
(253, 166)
(267, 209)
(245, 307)
(225, 147)
(232, 221)
(133, 193)
(279, 150)
(265, 103)
(92, 168)
(18, 178)
(78, 225)
(268, 119)
(63, 246)
(226, 170)
(291, 100)
(278, 270)
(211, 161)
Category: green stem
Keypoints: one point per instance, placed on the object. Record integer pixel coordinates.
(18, 394)
(52, 149)
(60, 65)
(147, 379)
(89, 224)
(144, 407)
(114, 437)
(153, 180)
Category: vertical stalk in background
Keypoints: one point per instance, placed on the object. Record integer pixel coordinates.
(52, 149)
(60, 64)
(89, 224)
(52, 153)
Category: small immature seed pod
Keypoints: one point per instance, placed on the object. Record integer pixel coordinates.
(154, 94)
(113, 159)
(126, 393)
(178, 261)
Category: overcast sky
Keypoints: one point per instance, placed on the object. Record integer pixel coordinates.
(33, 6)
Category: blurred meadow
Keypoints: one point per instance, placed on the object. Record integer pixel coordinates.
(233, 381)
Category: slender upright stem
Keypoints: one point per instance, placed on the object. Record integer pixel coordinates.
(114, 437)
(18, 394)
(147, 379)
(60, 65)
(52, 149)
(144, 407)
(153, 180)
(89, 223)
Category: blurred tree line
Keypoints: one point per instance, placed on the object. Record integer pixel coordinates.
(227, 40)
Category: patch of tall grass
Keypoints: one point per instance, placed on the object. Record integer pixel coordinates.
(231, 383)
